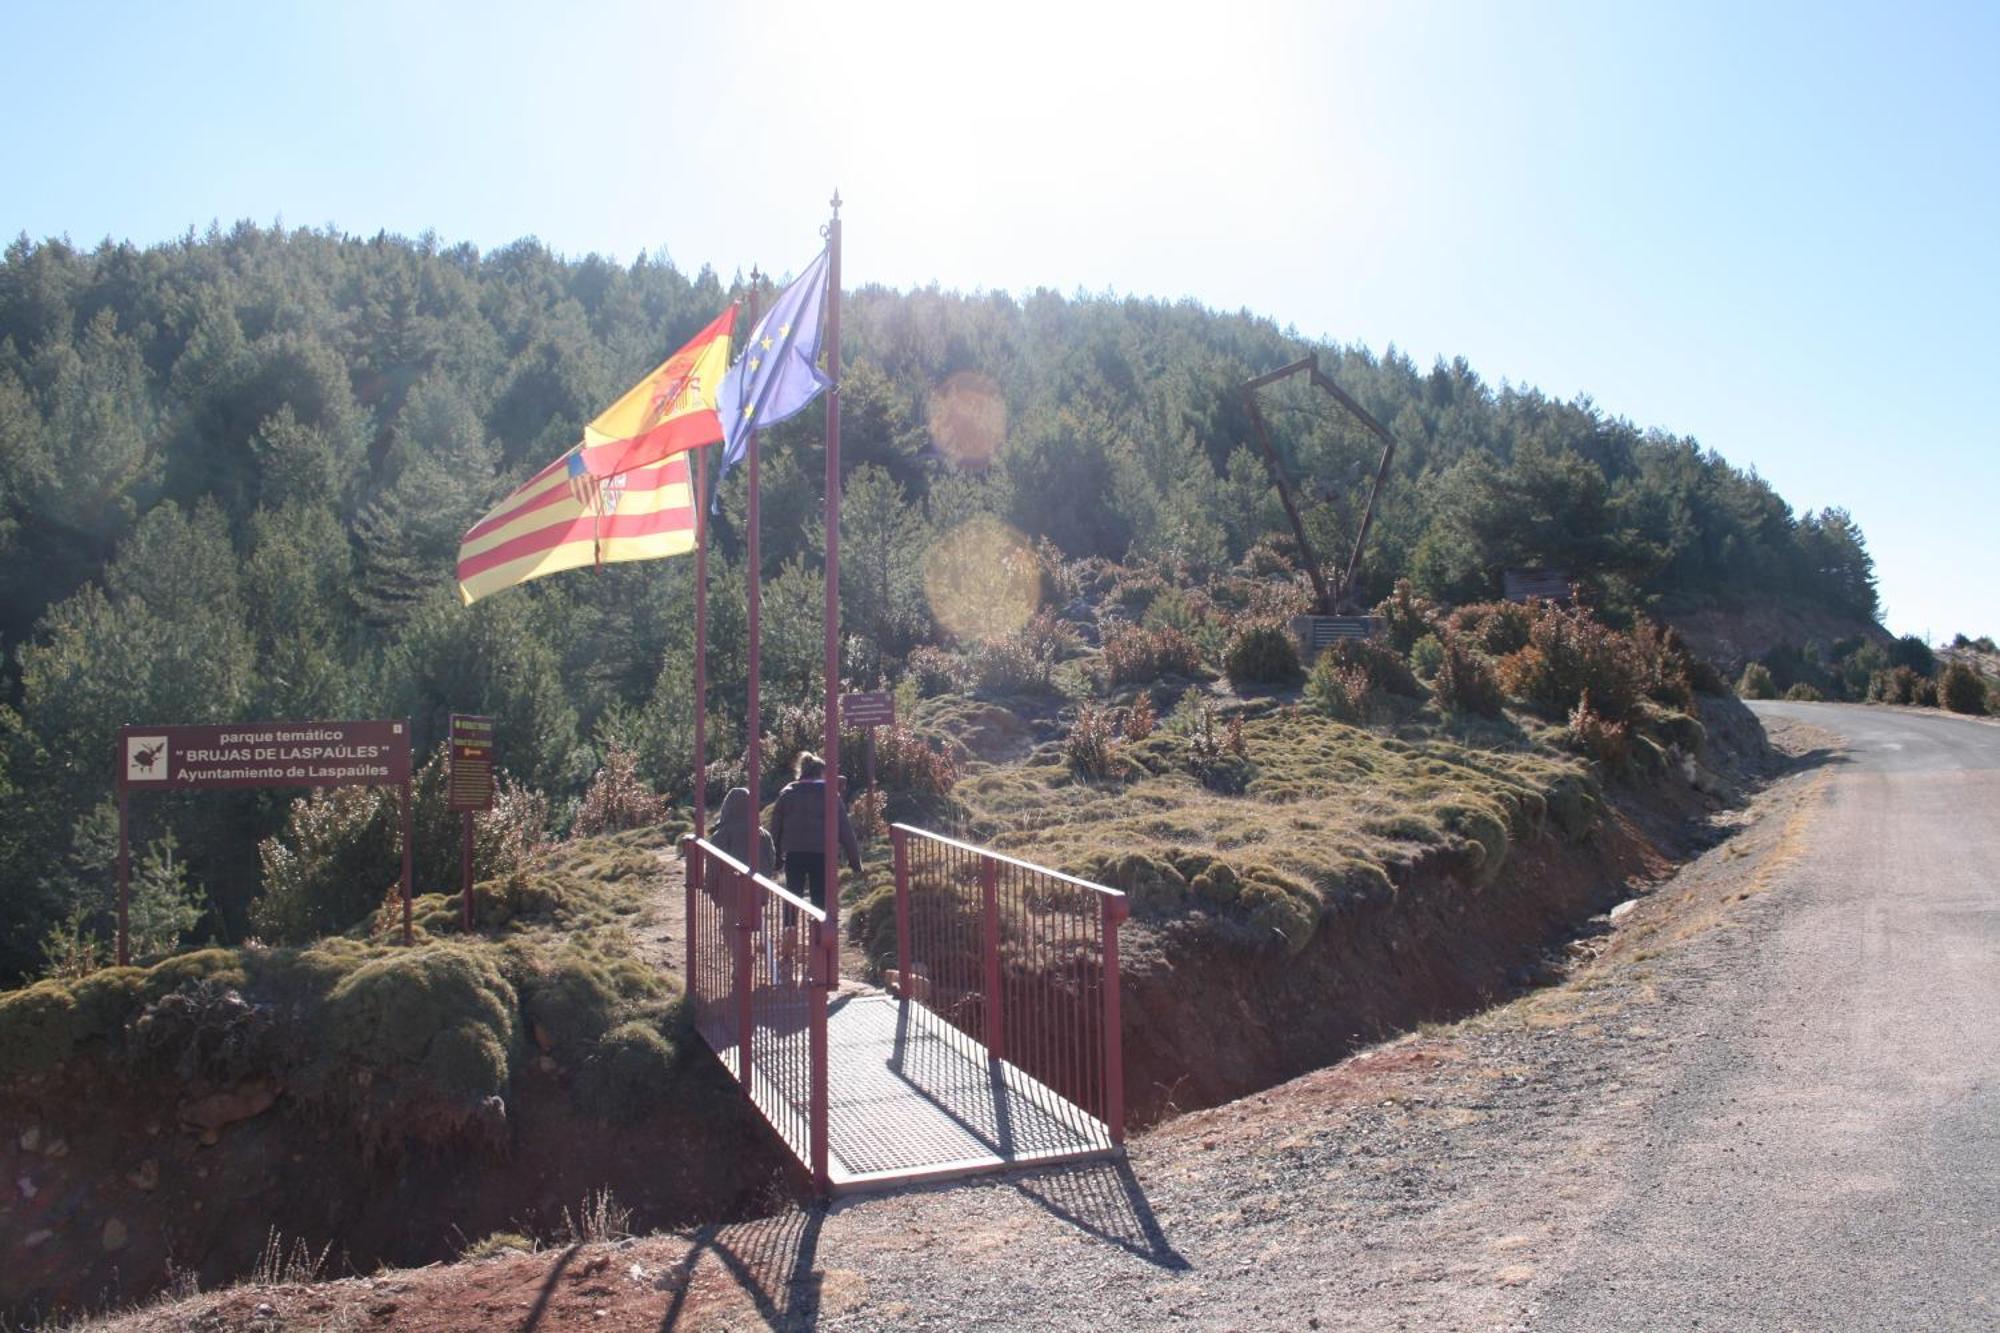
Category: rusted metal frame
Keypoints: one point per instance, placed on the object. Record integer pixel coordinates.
(1367, 419)
(1284, 489)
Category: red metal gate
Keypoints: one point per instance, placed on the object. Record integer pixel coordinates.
(759, 960)
(1020, 957)
(999, 1048)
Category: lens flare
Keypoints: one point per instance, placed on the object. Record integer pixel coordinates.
(968, 419)
(982, 580)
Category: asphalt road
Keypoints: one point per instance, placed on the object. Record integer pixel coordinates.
(1829, 1155)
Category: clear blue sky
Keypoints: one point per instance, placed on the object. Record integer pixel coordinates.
(1772, 228)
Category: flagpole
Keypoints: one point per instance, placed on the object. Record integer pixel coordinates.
(833, 594)
(698, 474)
(753, 574)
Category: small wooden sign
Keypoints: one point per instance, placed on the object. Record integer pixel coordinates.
(471, 784)
(873, 709)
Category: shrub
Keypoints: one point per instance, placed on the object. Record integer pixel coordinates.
(1385, 668)
(905, 762)
(617, 798)
(1495, 628)
(1911, 651)
(1897, 685)
(1801, 692)
(1590, 732)
(1425, 655)
(1664, 661)
(1010, 665)
(1465, 681)
(1262, 653)
(1048, 637)
(1960, 690)
(1140, 719)
(1571, 654)
(328, 867)
(439, 1020)
(628, 1075)
(1091, 744)
(1337, 689)
(1926, 693)
(1138, 655)
(936, 671)
(1702, 674)
(1406, 617)
(1757, 683)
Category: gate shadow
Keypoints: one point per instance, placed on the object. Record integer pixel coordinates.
(772, 1261)
(1103, 1199)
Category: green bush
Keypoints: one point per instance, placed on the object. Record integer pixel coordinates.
(1960, 689)
(1804, 693)
(1590, 732)
(936, 671)
(628, 1075)
(1757, 683)
(1262, 653)
(1385, 668)
(1090, 746)
(1425, 656)
(442, 1016)
(1571, 654)
(1337, 689)
(1406, 617)
(1137, 655)
(1465, 681)
(569, 1002)
(1495, 628)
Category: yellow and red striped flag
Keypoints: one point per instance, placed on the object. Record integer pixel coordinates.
(564, 518)
(621, 493)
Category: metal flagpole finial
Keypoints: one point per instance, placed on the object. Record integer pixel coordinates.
(836, 202)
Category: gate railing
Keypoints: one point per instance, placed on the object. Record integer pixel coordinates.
(759, 961)
(1021, 958)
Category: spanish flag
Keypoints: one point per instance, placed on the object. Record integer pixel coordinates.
(671, 410)
(613, 496)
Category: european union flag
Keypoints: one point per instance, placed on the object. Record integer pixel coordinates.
(777, 373)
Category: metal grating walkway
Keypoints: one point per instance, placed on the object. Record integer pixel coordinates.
(912, 1098)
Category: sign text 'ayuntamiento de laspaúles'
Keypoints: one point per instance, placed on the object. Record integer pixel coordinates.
(259, 754)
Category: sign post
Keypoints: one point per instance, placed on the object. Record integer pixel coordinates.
(469, 790)
(257, 754)
(868, 711)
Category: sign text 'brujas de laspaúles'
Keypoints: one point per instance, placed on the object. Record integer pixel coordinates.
(264, 754)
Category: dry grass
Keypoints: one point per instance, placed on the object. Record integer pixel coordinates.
(1317, 815)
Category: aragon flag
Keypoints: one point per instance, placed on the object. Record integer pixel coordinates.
(621, 493)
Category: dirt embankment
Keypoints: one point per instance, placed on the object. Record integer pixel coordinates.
(1212, 1015)
(1733, 639)
(115, 1187)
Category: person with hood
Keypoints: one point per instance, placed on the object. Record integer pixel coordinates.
(798, 825)
(731, 833)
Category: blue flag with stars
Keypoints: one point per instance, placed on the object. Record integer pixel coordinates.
(777, 373)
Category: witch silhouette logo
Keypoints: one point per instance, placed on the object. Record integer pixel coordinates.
(145, 758)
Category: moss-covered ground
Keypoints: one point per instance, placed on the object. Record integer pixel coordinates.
(408, 1044)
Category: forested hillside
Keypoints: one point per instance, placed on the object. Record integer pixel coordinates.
(234, 470)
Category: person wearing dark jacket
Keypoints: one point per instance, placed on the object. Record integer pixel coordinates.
(798, 826)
